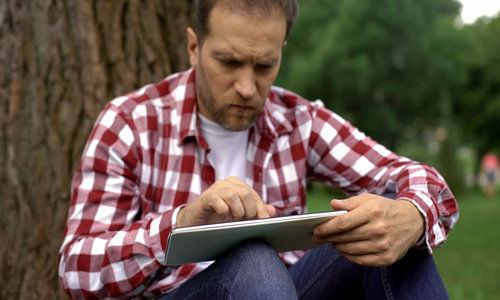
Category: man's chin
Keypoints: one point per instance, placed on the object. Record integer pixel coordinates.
(238, 124)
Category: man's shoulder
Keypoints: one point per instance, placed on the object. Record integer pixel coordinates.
(287, 99)
(163, 94)
(288, 111)
(290, 105)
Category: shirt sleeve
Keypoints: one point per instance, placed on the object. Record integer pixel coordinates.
(109, 248)
(343, 156)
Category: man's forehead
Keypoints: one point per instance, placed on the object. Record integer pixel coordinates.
(222, 11)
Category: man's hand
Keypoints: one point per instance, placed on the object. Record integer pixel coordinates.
(226, 200)
(376, 231)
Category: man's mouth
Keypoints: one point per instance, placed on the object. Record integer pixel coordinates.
(241, 108)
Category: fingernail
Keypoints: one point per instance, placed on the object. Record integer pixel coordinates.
(316, 231)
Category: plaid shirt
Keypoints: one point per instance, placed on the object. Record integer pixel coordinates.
(146, 157)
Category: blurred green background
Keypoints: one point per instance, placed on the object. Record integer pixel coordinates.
(407, 73)
(414, 77)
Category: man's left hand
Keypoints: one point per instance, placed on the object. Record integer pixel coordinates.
(376, 231)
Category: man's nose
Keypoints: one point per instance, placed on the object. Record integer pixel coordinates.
(245, 84)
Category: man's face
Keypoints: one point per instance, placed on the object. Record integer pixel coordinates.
(236, 65)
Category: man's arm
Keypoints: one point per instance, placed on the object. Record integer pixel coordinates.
(112, 246)
(345, 157)
(109, 249)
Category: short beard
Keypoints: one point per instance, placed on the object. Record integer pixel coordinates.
(217, 112)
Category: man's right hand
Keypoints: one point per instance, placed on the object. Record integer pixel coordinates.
(226, 200)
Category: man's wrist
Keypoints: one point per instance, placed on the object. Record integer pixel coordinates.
(417, 219)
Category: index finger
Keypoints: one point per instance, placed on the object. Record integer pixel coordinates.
(262, 211)
(348, 221)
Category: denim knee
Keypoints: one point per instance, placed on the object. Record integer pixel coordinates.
(257, 271)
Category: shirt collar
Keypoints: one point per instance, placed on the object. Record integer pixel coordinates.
(187, 111)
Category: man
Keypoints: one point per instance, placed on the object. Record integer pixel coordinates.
(218, 143)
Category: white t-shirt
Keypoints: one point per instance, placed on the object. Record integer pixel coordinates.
(227, 149)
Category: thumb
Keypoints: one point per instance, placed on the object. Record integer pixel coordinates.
(346, 204)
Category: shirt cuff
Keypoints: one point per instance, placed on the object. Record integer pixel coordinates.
(174, 216)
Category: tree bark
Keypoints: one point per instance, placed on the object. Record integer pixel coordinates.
(60, 62)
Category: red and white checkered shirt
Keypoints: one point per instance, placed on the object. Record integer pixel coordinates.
(146, 157)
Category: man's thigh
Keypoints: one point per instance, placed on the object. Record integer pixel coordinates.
(322, 273)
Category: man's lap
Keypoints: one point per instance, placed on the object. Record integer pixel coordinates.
(323, 273)
(254, 270)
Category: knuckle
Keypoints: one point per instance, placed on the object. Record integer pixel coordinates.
(342, 223)
(229, 195)
(376, 212)
(211, 197)
(322, 230)
(381, 229)
(247, 194)
(383, 246)
(238, 214)
(251, 214)
(224, 210)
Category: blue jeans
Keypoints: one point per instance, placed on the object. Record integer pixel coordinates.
(253, 270)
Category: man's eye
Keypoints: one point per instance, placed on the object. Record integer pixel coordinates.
(230, 63)
(263, 67)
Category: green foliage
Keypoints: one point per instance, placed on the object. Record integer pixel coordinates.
(400, 68)
(478, 107)
(384, 65)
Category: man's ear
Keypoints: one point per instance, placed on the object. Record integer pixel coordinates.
(192, 47)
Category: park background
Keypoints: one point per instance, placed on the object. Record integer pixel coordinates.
(409, 73)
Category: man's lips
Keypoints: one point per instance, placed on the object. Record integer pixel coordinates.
(242, 108)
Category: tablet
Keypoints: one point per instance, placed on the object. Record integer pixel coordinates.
(207, 242)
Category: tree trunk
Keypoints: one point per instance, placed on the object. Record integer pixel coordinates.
(60, 62)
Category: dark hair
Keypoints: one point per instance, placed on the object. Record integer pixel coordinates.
(202, 9)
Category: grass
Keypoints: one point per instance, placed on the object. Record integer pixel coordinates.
(469, 262)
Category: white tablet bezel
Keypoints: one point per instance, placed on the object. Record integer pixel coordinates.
(207, 242)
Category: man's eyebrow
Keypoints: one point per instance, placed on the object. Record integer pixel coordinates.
(221, 54)
(270, 61)
(226, 55)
